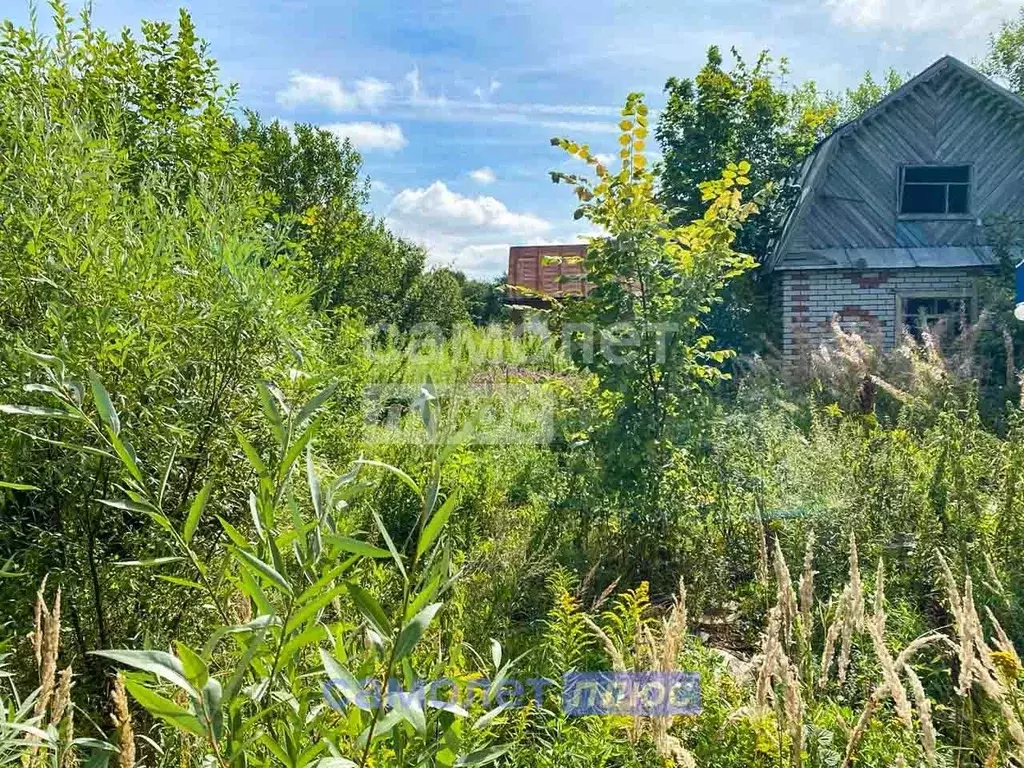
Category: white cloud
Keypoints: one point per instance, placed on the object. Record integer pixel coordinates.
(482, 261)
(960, 18)
(411, 97)
(315, 89)
(471, 234)
(604, 158)
(329, 92)
(483, 175)
(490, 90)
(372, 92)
(381, 187)
(367, 137)
(450, 212)
(418, 95)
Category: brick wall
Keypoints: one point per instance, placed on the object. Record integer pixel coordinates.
(865, 301)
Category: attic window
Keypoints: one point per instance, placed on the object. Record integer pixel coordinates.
(935, 189)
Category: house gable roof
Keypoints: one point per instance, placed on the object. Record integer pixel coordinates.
(812, 172)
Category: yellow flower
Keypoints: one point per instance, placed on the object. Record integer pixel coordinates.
(1007, 664)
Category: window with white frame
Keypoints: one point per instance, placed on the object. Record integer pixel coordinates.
(935, 189)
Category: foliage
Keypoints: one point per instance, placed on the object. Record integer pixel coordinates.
(867, 93)
(640, 329)
(217, 506)
(722, 116)
(436, 299)
(351, 259)
(1005, 57)
(130, 248)
(279, 598)
(485, 300)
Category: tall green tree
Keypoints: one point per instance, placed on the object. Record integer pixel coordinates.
(314, 184)
(642, 329)
(722, 116)
(1005, 57)
(133, 248)
(748, 112)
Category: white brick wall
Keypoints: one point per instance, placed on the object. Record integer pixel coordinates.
(864, 300)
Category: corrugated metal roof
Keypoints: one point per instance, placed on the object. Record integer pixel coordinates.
(936, 257)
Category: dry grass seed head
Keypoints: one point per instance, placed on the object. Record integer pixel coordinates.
(890, 675)
(771, 651)
(618, 663)
(828, 652)
(880, 691)
(924, 716)
(50, 647)
(785, 597)
(122, 719)
(62, 699)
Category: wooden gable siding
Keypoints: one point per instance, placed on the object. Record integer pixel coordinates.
(949, 119)
(552, 270)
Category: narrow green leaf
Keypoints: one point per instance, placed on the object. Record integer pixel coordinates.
(356, 547)
(395, 471)
(490, 715)
(413, 631)
(242, 666)
(106, 409)
(276, 750)
(251, 454)
(299, 617)
(496, 653)
(384, 726)
(425, 595)
(251, 587)
(167, 477)
(165, 709)
(87, 449)
(125, 452)
(270, 400)
(344, 681)
(309, 409)
(195, 668)
(314, 483)
(311, 636)
(159, 663)
(34, 410)
(391, 545)
(234, 534)
(294, 451)
(195, 512)
(18, 486)
(320, 584)
(267, 571)
(128, 505)
(181, 582)
(435, 525)
(408, 706)
(370, 609)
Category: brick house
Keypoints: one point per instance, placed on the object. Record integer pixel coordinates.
(888, 225)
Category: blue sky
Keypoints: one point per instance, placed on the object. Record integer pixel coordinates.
(452, 103)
